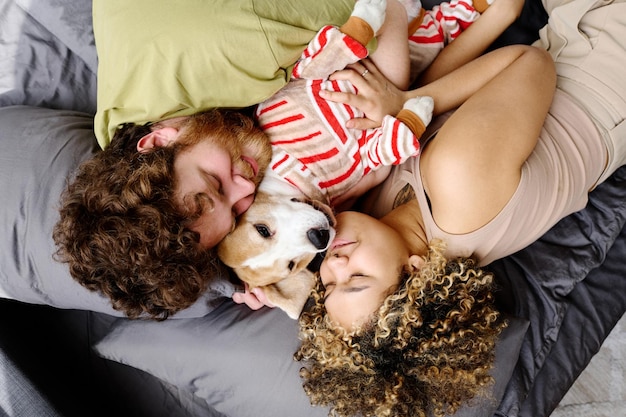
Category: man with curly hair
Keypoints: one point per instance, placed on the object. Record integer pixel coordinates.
(140, 219)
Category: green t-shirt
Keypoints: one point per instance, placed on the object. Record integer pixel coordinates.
(167, 58)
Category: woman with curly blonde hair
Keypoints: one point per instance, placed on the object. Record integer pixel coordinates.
(428, 348)
(534, 129)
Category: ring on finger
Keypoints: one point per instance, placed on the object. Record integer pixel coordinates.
(364, 73)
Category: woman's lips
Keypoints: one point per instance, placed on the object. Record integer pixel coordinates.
(339, 243)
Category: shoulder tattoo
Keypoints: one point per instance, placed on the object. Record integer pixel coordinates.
(405, 195)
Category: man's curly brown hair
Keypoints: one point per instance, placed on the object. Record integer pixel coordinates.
(428, 349)
(122, 232)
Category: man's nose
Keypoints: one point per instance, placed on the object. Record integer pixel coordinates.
(242, 194)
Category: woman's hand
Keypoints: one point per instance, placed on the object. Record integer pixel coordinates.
(255, 298)
(376, 97)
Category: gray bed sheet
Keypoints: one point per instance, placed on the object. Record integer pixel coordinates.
(47, 54)
(570, 285)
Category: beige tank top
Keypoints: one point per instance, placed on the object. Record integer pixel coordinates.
(556, 179)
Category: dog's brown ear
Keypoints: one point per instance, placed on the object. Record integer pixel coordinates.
(229, 249)
(291, 293)
(258, 277)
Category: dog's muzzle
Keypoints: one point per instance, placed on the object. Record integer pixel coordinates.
(319, 236)
(319, 206)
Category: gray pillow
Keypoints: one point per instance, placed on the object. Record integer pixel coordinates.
(241, 361)
(40, 150)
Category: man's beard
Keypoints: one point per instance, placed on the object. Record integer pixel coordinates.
(238, 141)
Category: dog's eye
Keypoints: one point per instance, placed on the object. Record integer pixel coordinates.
(263, 230)
(291, 265)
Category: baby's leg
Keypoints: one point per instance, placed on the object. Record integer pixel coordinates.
(474, 39)
(439, 26)
(392, 53)
(390, 25)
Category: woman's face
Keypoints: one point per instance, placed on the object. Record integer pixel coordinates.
(361, 268)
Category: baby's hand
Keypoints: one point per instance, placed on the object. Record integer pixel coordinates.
(372, 11)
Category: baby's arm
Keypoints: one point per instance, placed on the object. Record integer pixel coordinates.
(398, 137)
(394, 142)
(417, 113)
(334, 48)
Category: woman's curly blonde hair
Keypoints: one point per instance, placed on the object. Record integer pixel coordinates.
(428, 349)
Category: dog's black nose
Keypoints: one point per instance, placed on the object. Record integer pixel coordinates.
(318, 237)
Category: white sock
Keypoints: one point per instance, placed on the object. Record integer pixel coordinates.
(372, 11)
(422, 106)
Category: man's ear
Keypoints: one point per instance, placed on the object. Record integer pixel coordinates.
(416, 262)
(161, 137)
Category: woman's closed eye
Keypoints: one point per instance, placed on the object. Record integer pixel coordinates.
(344, 290)
(354, 284)
(355, 289)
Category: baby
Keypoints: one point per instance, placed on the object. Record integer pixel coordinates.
(312, 148)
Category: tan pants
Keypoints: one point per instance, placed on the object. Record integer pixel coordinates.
(587, 39)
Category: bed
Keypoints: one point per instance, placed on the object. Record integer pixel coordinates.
(65, 351)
